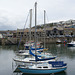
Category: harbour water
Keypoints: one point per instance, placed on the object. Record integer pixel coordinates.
(63, 52)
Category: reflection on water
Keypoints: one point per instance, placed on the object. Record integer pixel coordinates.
(62, 51)
(71, 48)
(61, 73)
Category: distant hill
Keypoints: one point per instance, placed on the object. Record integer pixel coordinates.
(56, 24)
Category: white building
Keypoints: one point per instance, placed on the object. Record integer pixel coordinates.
(1, 36)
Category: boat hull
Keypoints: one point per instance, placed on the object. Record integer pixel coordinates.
(71, 45)
(39, 71)
(58, 42)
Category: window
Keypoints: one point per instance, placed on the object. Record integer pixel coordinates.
(22, 32)
(39, 67)
(45, 67)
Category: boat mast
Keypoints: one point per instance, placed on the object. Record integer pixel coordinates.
(44, 28)
(35, 25)
(30, 25)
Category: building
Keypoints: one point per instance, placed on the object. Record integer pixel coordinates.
(69, 32)
(54, 32)
(1, 36)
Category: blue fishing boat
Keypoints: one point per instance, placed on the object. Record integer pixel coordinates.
(45, 68)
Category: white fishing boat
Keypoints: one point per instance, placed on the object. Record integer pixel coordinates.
(32, 44)
(28, 44)
(71, 44)
(31, 59)
(58, 41)
(22, 53)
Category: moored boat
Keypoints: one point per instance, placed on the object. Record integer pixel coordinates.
(71, 44)
(45, 68)
(58, 41)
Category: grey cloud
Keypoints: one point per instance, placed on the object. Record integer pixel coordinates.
(13, 13)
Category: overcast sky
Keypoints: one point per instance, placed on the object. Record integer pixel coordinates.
(13, 13)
